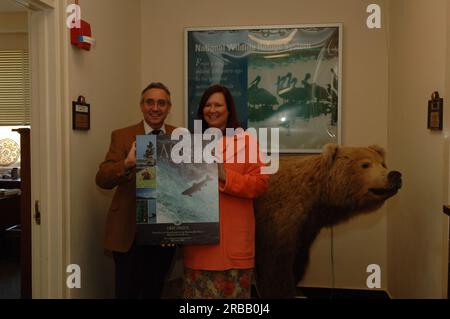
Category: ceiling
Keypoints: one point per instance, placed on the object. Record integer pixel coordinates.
(10, 6)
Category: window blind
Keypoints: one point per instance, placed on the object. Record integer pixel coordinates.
(14, 88)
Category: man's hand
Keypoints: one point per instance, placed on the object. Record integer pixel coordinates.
(130, 161)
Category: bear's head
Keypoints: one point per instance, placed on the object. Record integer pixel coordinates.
(358, 179)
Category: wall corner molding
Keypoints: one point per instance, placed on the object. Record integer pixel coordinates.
(37, 5)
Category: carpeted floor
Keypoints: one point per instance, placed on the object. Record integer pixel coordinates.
(9, 280)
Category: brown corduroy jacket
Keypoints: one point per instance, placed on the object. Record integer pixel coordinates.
(121, 220)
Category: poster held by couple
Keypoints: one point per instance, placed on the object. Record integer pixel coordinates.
(175, 203)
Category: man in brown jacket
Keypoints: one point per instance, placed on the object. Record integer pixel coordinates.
(140, 270)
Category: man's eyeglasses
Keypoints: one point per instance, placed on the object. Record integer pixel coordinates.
(160, 103)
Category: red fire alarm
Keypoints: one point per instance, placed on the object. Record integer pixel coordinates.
(82, 37)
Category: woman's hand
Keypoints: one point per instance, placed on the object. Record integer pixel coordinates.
(222, 172)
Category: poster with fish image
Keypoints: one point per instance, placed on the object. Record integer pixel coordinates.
(285, 77)
(175, 203)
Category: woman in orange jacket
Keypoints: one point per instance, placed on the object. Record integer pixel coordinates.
(225, 270)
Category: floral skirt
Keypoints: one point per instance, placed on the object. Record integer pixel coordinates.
(205, 284)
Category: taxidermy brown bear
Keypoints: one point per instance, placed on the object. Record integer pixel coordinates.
(307, 194)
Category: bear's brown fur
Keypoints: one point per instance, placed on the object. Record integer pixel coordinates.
(307, 194)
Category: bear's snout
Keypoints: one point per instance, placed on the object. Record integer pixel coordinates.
(395, 179)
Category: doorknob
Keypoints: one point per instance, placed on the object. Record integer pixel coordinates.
(446, 209)
(37, 213)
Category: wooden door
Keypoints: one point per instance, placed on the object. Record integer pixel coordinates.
(25, 212)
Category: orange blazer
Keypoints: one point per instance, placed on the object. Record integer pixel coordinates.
(121, 220)
(236, 249)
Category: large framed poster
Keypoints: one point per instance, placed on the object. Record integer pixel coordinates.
(176, 203)
(286, 77)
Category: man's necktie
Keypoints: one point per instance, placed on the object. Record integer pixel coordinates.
(155, 132)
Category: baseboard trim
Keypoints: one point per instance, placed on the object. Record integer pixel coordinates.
(340, 293)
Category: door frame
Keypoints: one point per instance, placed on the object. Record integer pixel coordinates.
(50, 143)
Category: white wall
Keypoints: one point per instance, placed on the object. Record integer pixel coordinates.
(109, 78)
(13, 21)
(385, 96)
(365, 99)
(13, 31)
(417, 229)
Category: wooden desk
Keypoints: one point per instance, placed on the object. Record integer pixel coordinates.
(10, 183)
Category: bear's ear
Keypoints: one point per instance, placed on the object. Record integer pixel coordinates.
(378, 149)
(329, 152)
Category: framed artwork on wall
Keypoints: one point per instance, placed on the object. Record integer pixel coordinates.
(286, 77)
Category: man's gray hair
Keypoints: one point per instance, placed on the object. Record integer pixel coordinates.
(155, 85)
